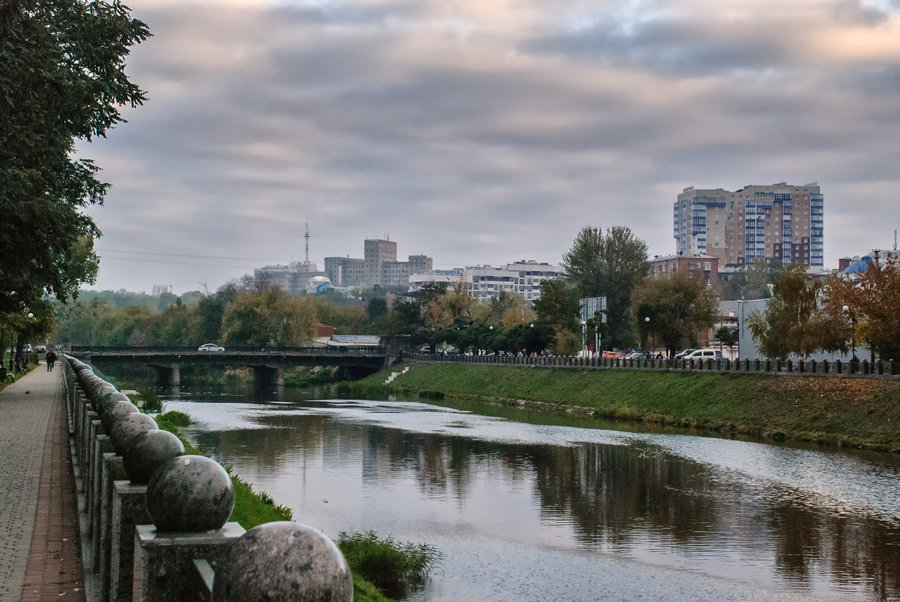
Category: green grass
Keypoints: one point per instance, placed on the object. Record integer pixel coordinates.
(851, 412)
(392, 566)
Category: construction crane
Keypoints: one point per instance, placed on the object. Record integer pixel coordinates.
(205, 290)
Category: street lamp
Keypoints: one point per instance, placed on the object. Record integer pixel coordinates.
(733, 317)
(852, 316)
(647, 327)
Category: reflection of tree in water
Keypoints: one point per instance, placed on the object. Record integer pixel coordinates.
(612, 494)
(613, 490)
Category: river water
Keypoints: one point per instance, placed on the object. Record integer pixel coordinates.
(528, 511)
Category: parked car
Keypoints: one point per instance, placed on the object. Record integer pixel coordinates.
(683, 353)
(704, 354)
(610, 355)
(210, 347)
(637, 354)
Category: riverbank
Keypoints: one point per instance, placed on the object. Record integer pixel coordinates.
(846, 412)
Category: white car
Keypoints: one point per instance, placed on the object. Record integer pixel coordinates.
(210, 347)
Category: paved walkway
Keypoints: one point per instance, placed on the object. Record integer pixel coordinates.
(40, 550)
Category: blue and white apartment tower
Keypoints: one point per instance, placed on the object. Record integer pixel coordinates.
(780, 224)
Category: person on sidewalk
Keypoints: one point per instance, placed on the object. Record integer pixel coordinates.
(50, 359)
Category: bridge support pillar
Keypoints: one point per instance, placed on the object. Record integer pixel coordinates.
(266, 377)
(168, 375)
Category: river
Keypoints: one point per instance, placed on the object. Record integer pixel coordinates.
(531, 511)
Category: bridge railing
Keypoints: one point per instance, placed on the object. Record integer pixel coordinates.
(333, 350)
(878, 369)
(155, 519)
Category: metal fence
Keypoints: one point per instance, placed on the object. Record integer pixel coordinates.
(837, 368)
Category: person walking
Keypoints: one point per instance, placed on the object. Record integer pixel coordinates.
(51, 359)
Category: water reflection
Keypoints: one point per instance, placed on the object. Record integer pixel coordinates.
(687, 509)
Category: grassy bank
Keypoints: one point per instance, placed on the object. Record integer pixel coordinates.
(851, 412)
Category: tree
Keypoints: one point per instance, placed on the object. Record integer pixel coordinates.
(753, 283)
(608, 265)
(62, 78)
(270, 319)
(872, 301)
(679, 308)
(557, 315)
(791, 322)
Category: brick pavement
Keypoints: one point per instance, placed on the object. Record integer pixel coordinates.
(39, 543)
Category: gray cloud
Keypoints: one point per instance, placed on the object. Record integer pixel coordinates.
(485, 132)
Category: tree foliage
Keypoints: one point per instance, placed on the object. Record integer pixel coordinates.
(62, 78)
(873, 301)
(792, 322)
(608, 265)
(679, 308)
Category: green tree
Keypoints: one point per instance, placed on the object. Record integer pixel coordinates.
(792, 322)
(752, 283)
(608, 265)
(679, 308)
(557, 316)
(270, 319)
(62, 77)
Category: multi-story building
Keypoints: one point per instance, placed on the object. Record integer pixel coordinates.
(345, 271)
(485, 282)
(780, 224)
(376, 253)
(704, 267)
(293, 278)
(378, 267)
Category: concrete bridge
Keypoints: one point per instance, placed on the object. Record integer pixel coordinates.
(268, 364)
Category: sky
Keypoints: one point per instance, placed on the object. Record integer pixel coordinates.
(485, 131)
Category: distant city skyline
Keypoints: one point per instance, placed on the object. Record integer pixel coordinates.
(483, 130)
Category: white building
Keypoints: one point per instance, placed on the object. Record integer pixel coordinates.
(486, 282)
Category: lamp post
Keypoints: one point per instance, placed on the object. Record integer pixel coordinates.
(733, 317)
(649, 337)
(852, 315)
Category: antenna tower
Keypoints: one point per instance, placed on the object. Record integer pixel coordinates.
(306, 236)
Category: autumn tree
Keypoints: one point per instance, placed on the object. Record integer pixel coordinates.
(791, 322)
(679, 307)
(608, 265)
(872, 300)
(557, 316)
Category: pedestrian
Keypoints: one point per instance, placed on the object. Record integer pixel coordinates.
(50, 358)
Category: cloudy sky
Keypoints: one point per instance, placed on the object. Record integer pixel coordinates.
(485, 131)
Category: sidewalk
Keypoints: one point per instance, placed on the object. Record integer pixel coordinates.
(40, 550)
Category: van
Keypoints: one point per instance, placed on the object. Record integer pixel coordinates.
(703, 354)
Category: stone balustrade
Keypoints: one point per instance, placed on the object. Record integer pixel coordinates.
(155, 520)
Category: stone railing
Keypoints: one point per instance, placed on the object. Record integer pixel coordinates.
(877, 369)
(154, 520)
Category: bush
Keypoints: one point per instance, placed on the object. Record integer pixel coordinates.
(392, 566)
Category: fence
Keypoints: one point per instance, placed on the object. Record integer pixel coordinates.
(154, 520)
(825, 368)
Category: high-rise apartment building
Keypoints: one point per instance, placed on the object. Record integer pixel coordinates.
(780, 224)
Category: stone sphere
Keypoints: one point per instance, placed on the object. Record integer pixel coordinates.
(147, 452)
(284, 561)
(125, 429)
(189, 494)
(114, 412)
(106, 399)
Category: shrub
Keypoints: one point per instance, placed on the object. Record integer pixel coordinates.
(391, 565)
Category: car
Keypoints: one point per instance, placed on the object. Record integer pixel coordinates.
(703, 354)
(210, 347)
(683, 353)
(637, 354)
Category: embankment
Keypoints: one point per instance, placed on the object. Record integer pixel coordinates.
(848, 412)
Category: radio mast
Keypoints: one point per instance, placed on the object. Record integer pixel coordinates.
(306, 236)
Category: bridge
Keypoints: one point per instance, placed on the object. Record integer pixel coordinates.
(268, 364)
